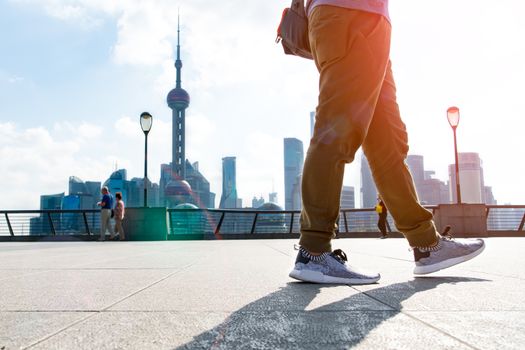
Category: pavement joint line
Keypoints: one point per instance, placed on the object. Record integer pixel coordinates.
(278, 250)
(496, 274)
(103, 310)
(401, 311)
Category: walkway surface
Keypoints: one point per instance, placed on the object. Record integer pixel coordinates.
(237, 295)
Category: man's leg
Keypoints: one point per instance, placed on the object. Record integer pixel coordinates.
(386, 147)
(351, 50)
(104, 222)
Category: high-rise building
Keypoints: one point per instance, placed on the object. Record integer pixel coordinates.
(229, 183)
(272, 197)
(348, 197)
(178, 100)
(368, 186)
(470, 178)
(430, 191)
(183, 181)
(297, 203)
(118, 182)
(257, 202)
(293, 168)
(489, 196)
(41, 224)
(202, 197)
(417, 168)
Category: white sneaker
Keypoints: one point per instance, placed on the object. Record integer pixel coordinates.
(329, 268)
(447, 253)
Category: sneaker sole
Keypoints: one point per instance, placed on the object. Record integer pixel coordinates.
(318, 277)
(423, 270)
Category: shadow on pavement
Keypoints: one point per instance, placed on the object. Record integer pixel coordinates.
(281, 319)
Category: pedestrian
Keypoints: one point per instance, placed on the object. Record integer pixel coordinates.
(119, 216)
(105, 204)
(350, 45)
(382, 214)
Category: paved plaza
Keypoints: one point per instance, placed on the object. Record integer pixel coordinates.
(236, 294)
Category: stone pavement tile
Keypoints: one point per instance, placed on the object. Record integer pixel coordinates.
(21, 329)
(483, 329)
(74, 254)
(229, 278)
(499, 258)
(65, 290)
(134, 330)
(6, 274)
(464, 291)
(251, 330)
(180, 295)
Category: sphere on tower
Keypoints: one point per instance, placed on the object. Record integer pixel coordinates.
(178, 99)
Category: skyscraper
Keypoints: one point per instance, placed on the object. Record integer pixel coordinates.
(178, 100)
(368, 186)
(470, 177)
(348, 197)
(182, 182)
(272, 197)
(430, 191)
(229, 184)
(293, 168)
(417, 168)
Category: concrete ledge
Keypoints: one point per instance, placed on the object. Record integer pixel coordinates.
(466, 220)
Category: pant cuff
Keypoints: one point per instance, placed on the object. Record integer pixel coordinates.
(316, 242)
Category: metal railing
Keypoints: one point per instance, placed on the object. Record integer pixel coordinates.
(21, 223)
(49, 222)
(505, 217)
(253, 222)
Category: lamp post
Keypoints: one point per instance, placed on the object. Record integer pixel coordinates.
(145, 123)
(453, 120)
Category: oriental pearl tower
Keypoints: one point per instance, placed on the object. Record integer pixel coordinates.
(178, 100)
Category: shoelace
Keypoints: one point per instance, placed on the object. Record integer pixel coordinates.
(340, 256)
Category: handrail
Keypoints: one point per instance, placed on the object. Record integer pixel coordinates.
(13, 223)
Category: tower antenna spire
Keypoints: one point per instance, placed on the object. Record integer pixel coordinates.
(178, 62)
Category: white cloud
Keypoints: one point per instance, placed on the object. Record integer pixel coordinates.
(245, 92)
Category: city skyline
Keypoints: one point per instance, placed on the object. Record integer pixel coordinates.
(73, 90)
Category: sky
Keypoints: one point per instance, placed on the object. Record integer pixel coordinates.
(75, 75)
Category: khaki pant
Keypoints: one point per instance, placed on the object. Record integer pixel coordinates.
(105, 217)
(119, 229)
(357, 107)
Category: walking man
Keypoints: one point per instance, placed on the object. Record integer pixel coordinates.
(350, 43)
(105, 205)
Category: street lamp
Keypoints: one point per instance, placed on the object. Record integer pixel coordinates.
(145, 123)
(453, 120)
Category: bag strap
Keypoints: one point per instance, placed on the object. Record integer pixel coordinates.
(298, 7)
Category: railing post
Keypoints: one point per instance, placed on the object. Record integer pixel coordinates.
(218, 228)
(170, 221)
(345, 220)
(522, 223)
(291, 223)
(51, 224)
(86, 223)
(9, 225)
(254, 223)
